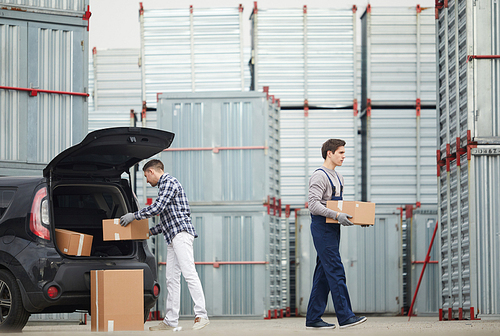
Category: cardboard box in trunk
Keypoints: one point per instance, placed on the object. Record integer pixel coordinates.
(117, 301)
(74, 243)
(363, 213)
(137, 230)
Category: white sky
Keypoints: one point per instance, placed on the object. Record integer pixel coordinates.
(115, 23)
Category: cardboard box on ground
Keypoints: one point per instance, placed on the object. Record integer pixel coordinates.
(136, 230)
(74, 243)
(117, 300)
(363, 213)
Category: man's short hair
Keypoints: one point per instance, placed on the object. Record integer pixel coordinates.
(155, 164)
(331, 145)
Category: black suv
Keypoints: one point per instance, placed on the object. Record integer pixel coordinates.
(80, 187)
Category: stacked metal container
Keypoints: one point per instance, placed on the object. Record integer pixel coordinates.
(191, 50)
(468, 54)
(43, 85)
(398, 127)
(307, 58)
(43, 82)
(226, 156)
(115, 81)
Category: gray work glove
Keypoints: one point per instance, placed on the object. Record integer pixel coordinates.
(126, 219)
(343, 219)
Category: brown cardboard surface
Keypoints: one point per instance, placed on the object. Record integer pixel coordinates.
(117, 302)
(363, 213)
(74, 243)
(136, 230)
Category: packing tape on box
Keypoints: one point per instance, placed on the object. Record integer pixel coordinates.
(117, 236)
(116, 221)
(340, 205)
(80, 245)
(111, 325)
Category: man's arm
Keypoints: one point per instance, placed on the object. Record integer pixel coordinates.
(317, 187)
(166, 192)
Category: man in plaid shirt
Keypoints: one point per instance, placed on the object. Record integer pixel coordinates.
(175, 224)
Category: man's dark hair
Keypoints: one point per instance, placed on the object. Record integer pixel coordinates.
(331, 145)
(155, 164)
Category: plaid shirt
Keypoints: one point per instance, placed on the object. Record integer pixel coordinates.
(173, 208)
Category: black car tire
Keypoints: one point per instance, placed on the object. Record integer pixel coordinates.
(13, 316)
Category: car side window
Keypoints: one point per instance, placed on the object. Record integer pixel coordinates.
(6, 196)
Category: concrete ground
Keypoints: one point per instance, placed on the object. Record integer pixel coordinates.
(292, 326)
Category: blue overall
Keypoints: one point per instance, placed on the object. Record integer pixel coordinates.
(329, 275)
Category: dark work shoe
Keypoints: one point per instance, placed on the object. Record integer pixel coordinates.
(320, 325)
(355, 320)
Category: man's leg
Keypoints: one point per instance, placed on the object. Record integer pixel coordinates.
(183, 247)
(173, 275)
(335, 274)
(319, 295)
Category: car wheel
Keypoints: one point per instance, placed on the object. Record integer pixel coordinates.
(13, 316)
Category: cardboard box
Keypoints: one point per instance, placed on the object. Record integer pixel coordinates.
(117, 301)
(363, 213)
(74, 243)
(137, 230)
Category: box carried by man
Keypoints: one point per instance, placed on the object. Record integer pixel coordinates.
(363, 213)
(137, 230)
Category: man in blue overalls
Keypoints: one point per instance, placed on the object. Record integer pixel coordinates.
(329, 276)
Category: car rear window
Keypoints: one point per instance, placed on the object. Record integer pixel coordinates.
(6, 196)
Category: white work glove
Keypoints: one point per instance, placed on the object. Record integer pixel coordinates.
(126, 219)
(343, 219)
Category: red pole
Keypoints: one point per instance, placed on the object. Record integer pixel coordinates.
(427, 257)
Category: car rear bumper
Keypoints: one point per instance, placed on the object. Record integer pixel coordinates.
(73, 283)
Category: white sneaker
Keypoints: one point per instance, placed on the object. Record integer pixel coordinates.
(200, 323)
(161, 326)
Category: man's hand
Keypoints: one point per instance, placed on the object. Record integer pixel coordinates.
(126, 219)
(343, 219)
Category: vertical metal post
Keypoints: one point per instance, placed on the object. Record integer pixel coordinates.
(457, 159)
(355, 105)
(242, 54)
(143, 54)
(418, 100)
(191, 30)
(96, 96)
(472, 93)
(368, 112)
(438, 144)
(306, 107)
(255, 48)
(133, 174)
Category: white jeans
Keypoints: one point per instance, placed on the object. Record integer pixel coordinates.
(180, 259)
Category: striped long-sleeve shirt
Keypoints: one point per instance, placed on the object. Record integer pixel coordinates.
(172, 206)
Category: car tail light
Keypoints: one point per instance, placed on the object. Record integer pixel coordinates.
(156, 290)
(52, 292)
(39, 219)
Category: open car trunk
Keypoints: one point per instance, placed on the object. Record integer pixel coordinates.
(82, 207)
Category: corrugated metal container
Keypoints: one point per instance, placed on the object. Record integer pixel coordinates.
(302, 135)
(117, 80)
(305, 54)
(238, 260)
(422, 228)
(233, 136)
(371, 258)
(468, 158)
(398, 56)
(41, 52)
(191, 50)
(399, 148)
